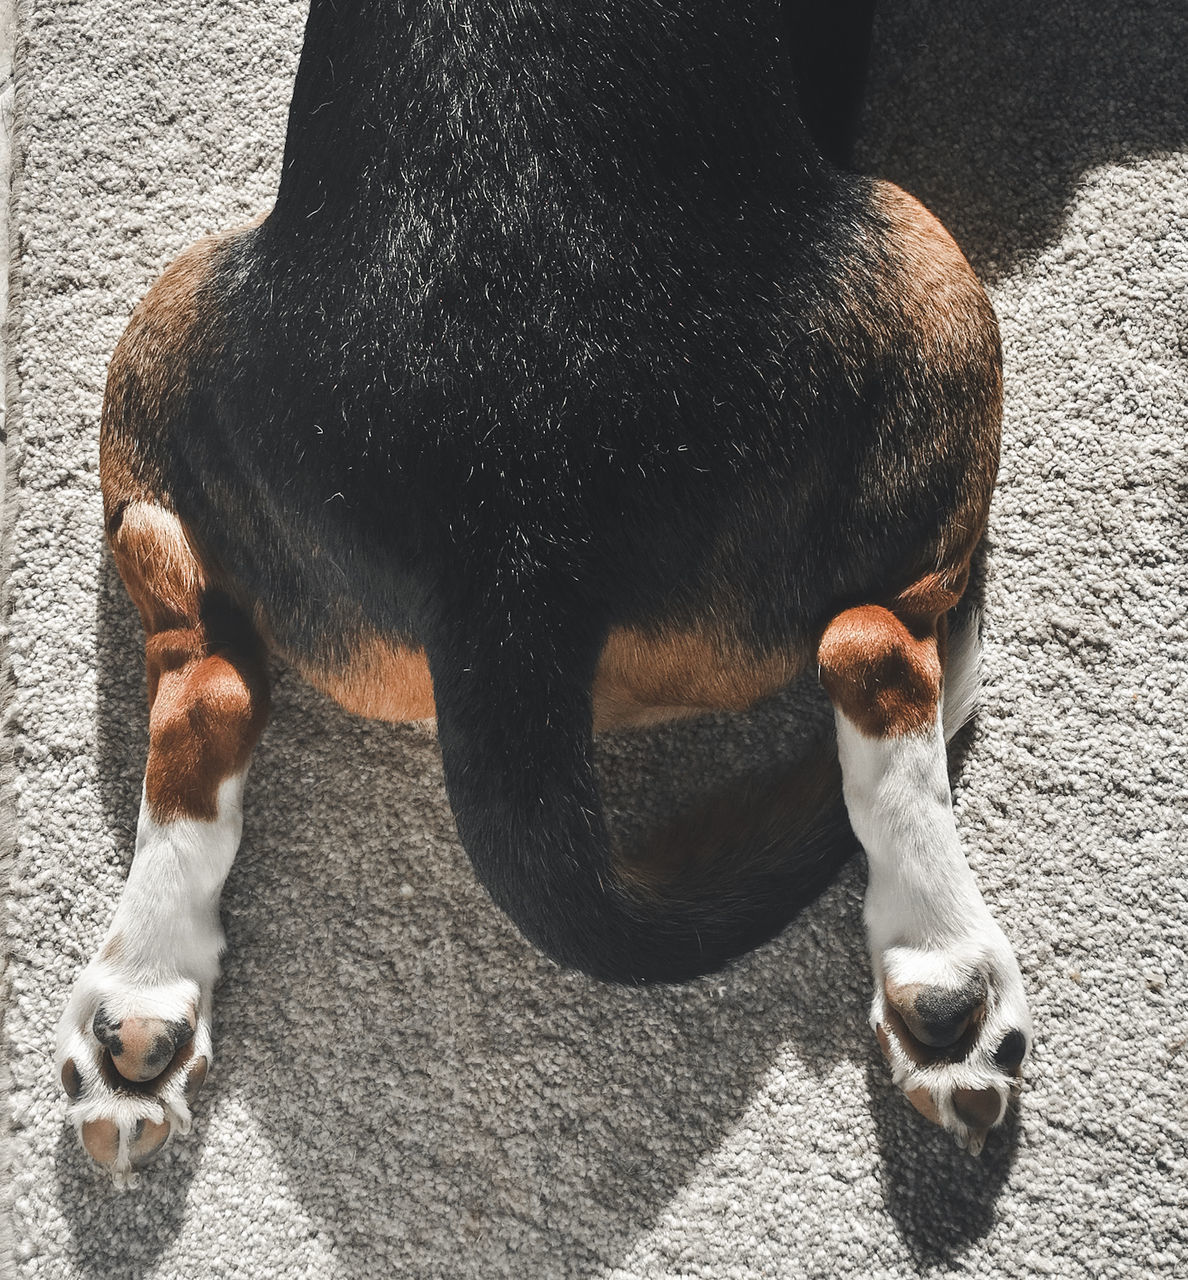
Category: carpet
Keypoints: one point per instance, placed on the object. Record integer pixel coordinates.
(401, 1085)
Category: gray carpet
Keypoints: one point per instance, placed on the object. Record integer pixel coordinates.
(401, 1086)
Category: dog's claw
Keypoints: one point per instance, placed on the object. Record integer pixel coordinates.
(977, 1140)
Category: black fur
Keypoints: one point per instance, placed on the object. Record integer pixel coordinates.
(561, 324)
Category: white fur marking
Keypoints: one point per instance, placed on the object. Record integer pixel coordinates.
(962, 687)
(168, 916)
(925, 917)
(163, 958)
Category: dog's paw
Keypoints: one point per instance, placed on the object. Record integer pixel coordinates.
(131, 1057)
(955, 1028)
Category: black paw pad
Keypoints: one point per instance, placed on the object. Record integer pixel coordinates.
(72, 1081)
(107, 1031)
(942, 1015)
(1011, 1051)
(166, 1044)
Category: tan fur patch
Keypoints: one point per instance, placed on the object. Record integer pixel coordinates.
(381, 681)
(206, 716)
(938, 286)
(643, 679)
(206, 708)
(932, 595)
(150, 376)
(170, 334)
(113, 949)
(158, 565)
(941, 307)
(882, 677)
(640, 679)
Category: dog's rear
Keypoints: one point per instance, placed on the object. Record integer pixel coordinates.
(589, 395)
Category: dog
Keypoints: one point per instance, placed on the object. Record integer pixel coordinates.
(566, 386)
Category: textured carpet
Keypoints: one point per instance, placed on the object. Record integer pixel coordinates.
(401, 1086)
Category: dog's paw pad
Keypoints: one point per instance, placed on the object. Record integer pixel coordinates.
(142, 1047)
(124, 1147)
(195, 1080)
(938, 1017)
(1011, 1051)
(979, 1108)
(101, 1138)
(146, 1140)
(72, 1081)
(968, 1112)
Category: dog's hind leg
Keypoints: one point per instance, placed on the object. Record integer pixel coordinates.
(949, 1008)
(134, 1042)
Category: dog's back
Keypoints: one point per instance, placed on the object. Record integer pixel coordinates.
(590, 322)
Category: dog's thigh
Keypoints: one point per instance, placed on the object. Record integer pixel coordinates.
(134, 1042)
(949, 1008)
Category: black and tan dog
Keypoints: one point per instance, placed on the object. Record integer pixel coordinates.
(565, 386)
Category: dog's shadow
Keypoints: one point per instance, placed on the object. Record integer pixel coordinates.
(991, 113)
(385, 1032)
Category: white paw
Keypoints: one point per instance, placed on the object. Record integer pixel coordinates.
(954, 1026)
(132, 1054)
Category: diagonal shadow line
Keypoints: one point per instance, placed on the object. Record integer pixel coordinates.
(991, 112)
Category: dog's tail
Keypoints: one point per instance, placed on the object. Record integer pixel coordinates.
(514, 721)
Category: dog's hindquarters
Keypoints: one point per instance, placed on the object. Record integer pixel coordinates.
(517, 672)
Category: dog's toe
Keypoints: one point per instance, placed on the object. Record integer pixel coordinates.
(147, 1138)
(979, 1108)
(122, 1147)
(72, 1081)
(101, 1138)
(195, 1080)
(1011, 1051)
